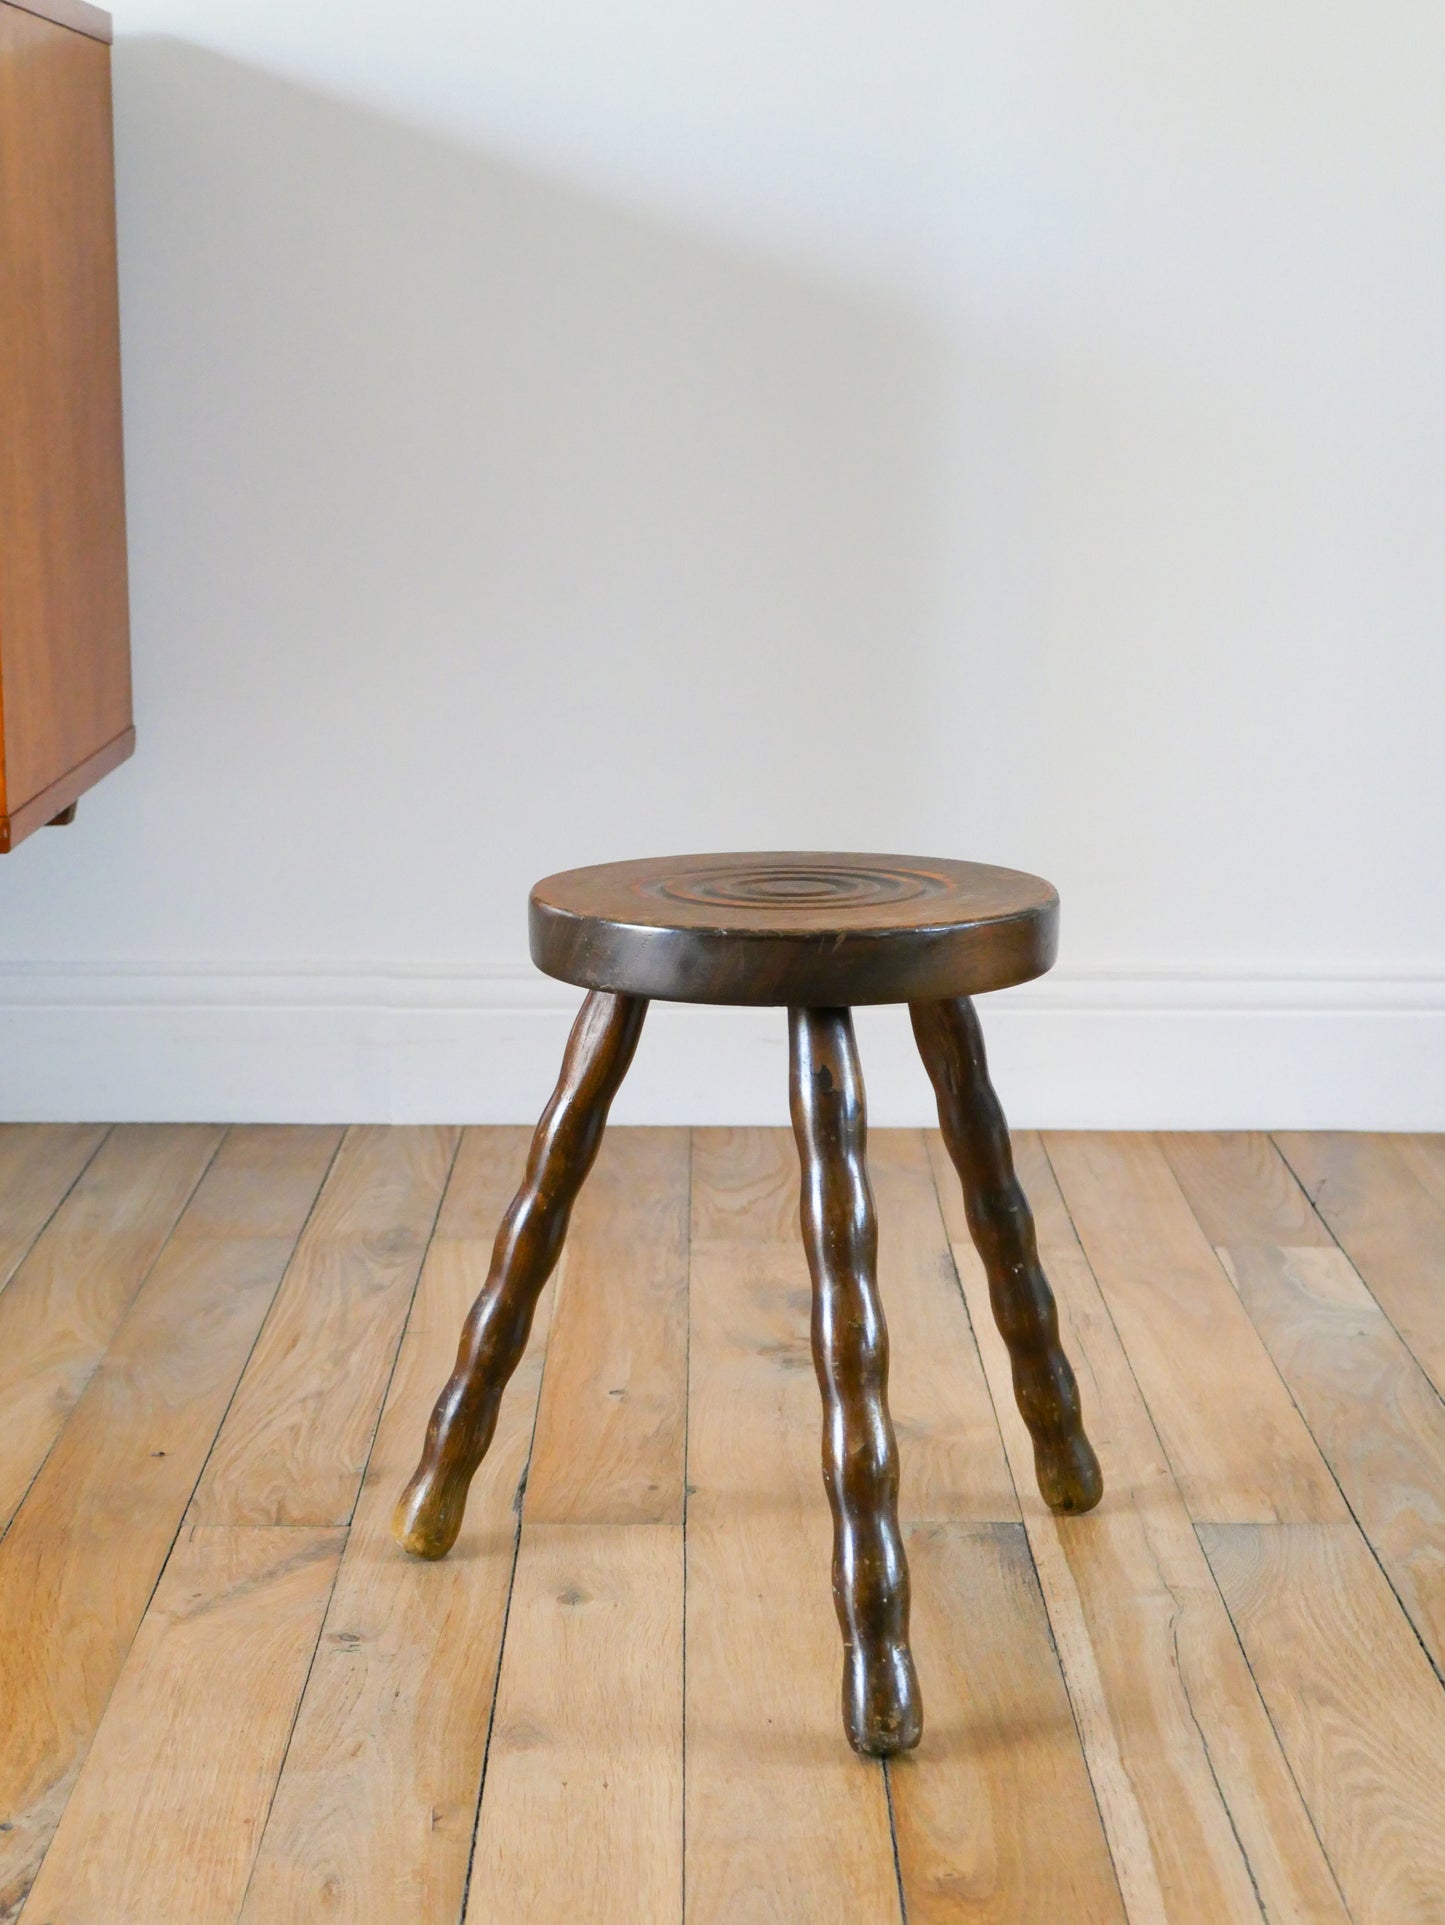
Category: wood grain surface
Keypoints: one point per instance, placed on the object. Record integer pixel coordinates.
(612, 1429)
(582, 1812)
(995, 1816)
(297, 1436)
(80, 1562)
(806, 928)
(78, 15)
(65, 1303)
(39, 1164)
(953, 1468)
(1241, 1190)
(65, 695)
(1372, 1410)
(374, 1814)
(1141, 1713)
(1203, 1817)
(783, 1822)
(241, 1608)
(1390, 1224)
(586, 1742)
(1365, 1739)
(1236, 1443)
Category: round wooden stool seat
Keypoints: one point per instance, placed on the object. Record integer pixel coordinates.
(802, 928)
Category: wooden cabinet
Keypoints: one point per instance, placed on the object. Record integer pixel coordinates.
(65, 701)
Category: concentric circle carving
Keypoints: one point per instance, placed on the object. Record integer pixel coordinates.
(799, 928)
(749, 886)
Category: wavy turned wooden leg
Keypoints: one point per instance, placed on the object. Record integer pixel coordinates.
(951, 1044)
(882, 1711)
(429, 1514)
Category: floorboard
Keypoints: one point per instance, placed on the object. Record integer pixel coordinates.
(952, 1463)
(39, 1165)
(227, 1699)
(612, 1424)
(1001, 1740)
(582, 1808)
(163, 1823)
(1373, 1412)
(783, 1822)
(1202, 1813)
(1360, 1712)
(66, 1300)
(1390, 1224)
(89, 1542)
(296, 1439)
(1237, 1445)
(586, 1742)
(373, 1817)
(995, 1813)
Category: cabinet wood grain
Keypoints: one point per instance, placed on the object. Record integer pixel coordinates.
(65, 692)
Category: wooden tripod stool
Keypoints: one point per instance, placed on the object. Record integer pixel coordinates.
(817, 933)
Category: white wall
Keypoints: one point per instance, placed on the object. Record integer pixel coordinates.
(569, 431)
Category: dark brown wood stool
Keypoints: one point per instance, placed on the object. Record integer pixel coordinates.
(816, 933)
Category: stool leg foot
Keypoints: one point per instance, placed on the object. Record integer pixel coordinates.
(882, 1711)
(529, 1242)
(951, 1044)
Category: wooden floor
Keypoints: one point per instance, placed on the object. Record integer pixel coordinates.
(225, 1695)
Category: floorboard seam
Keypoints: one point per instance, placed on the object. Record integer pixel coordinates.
(141, 1283)
(1223, 1601)
(185, 1509)
(1024, 1524)
(1325, 1458)
(686, 1494)
(1204, 1746)
(1364, 1535)
(406, 1320)
(265, 1823)
(1174, 1480)
(1330, 1232)
(59, 1203)
(350, 1516)
(246, 1362)
(264, 1826)
(1278, 1738)
(519, 1502)
(893, 1840)
(496, 1682)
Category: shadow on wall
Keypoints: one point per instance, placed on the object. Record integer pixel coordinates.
(477, 522)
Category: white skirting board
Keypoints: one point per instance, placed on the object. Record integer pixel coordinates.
(1084, 1049)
